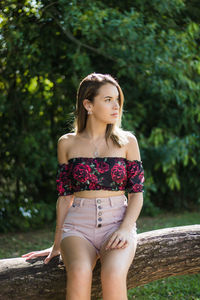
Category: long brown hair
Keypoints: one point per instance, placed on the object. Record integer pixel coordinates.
(88, 89)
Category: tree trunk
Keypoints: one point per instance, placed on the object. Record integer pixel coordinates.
(160, 254)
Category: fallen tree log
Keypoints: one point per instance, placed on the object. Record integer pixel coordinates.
(160, 254)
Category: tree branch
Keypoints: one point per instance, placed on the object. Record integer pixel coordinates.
(160, 254)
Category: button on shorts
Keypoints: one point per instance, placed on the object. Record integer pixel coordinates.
(95, 219)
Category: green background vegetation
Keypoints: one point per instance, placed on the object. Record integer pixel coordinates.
(47, 47)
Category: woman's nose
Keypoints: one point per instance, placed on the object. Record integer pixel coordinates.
(116, 104)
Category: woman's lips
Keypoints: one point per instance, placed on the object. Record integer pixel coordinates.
(115, 115)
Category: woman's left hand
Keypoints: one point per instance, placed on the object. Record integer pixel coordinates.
(119, 239)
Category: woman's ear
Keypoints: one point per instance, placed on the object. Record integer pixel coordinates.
(87, 104)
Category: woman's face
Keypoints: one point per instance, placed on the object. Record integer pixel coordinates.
(106, 106)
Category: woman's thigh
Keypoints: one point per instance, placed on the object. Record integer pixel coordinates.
(77, 251)
(118, 261)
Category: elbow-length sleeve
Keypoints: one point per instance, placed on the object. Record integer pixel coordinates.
(63, 180)
(135, 176)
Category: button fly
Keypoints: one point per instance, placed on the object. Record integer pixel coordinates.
(99, 213)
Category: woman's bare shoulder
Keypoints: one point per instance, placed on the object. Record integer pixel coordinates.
(133, 151)
(63, 146)
(67, 138)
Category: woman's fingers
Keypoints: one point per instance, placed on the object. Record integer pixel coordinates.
(47, 250)
(50, 256)
(35, 254)
(47, 259)
(114, 240)
(120, 244)
(30, 255)
(27, 254)
(117, 242)
(126, 244)
(111, 240)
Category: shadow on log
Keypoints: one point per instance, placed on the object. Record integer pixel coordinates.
(160, 254)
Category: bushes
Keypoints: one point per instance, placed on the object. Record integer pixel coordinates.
(48, 48)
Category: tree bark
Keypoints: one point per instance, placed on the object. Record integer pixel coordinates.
(160, 254)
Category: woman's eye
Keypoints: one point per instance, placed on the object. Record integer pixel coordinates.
(110, 99)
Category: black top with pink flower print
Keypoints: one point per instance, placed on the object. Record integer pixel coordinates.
(99, 173)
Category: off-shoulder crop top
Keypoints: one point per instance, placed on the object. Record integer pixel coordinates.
(99, 173)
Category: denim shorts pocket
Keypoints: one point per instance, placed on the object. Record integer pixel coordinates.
(75, 205)
(74, 209)
(118, 212)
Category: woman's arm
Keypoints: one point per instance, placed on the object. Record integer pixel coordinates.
(62, 206)
(135, 200)
(120, 238)
(64, 202)
(135, 203)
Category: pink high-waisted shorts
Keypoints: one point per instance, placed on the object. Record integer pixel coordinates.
(95, 219)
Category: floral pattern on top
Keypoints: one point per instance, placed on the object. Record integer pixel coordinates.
(100, 173)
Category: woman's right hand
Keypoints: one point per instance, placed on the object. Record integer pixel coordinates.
(50, 252)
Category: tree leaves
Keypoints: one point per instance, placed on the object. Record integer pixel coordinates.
(48, 47)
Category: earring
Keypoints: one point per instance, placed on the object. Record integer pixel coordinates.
(89, 112)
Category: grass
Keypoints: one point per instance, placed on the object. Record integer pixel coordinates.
(185, 287)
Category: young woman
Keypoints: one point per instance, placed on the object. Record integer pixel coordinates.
(97, 163)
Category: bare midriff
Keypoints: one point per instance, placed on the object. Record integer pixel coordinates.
(99, 193)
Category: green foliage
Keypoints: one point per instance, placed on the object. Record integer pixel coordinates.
(48, 47)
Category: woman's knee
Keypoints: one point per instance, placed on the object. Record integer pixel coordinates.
(79, 272)
(113, 273)
(79, 268)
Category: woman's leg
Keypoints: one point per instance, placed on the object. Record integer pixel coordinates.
(79, 257)
(115, 264)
